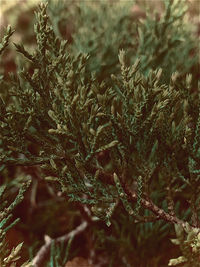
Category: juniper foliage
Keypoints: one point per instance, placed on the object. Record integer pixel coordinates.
(7, 257)
(128, 141)
(157, 39)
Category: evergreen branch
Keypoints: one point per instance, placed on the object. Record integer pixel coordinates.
(148, 204)
(28, 162)
(4, 42)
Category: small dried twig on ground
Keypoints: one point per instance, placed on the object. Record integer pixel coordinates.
(44, 250)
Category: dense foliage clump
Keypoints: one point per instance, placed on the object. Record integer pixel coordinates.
(104, 115)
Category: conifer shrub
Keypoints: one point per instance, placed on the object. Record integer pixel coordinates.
(106, 125)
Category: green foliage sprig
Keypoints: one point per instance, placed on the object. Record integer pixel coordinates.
(189, 242)
(9, 258)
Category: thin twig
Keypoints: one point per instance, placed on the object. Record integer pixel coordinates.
(44, 250)
(148, 204)
(160, 213)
